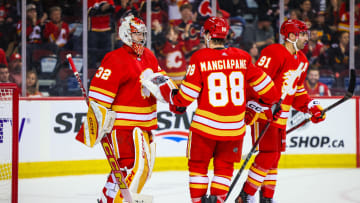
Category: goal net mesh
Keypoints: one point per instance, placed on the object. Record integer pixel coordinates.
(6, 139)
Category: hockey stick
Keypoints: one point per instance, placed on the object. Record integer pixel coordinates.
(106, 144)
(347, 96)
(233, 196)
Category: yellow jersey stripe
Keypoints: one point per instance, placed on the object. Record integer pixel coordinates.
(198, 186)
(266, 89)
(135, 123)
(190, 99)
(257, 171)
(192, 86)
(134, 109)
(259, 80)
(219, 186)
(106, 92)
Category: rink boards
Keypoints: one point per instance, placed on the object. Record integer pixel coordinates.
(48, 147)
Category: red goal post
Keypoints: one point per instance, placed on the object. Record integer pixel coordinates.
(9, 142)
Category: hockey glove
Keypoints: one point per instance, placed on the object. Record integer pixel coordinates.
(252, 112)
(173, 108)
(177, 109)
(316, 111)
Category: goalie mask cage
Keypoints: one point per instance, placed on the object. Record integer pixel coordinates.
(9, 141)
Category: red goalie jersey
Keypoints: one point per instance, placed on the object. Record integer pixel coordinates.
(217, 79)
(117, 86)
(280, 65)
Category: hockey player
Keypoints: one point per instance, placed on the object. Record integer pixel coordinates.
(280, 62)
(116, 87)
(217, 77)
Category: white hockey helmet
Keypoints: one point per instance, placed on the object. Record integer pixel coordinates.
(129, 25)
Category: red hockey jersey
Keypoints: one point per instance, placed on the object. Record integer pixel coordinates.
(280, 65)
(217, 79)
(99, 23)
(320, 89)
(175, 62)
(54, 34)
(117, 85)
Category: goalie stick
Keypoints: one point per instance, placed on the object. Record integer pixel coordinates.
(347, 96)
(233, 194)
(106, 144)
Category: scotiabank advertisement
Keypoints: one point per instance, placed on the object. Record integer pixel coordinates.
(48, 128)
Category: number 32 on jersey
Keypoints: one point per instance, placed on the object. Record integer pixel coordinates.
(103, 73)
(221, 91)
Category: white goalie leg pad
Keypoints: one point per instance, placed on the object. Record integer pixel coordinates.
(99, 120)
(160, 86)
(140, 172)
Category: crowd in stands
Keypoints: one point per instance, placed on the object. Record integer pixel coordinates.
(54, 28)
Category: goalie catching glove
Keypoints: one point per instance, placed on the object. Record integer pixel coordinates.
(160, 86)
(99, 121)
(316, 111)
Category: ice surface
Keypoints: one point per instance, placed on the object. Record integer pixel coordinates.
(294, 186)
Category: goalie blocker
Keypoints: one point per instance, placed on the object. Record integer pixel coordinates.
(99, 121)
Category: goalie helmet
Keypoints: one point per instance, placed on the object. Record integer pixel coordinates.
(216, 26)
(292, 26)
(130, 25)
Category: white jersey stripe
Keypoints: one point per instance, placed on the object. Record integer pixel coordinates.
(218, 125)
(137, 117)
(256, 177)
(221, 180)
(199, 179)
(271, 177)
(190, 92)
(101, 97)
(263, 84)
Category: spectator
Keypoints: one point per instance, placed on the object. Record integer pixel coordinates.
(254, 53)
(261, 33)
(337, 56)
(123, 8)
(344, 13)
(3, 57)
(314, 47)
(7, 28)
(189, 30)
(295, 14)
(15, 66)
(4, 73)
(174, 9)
(34, 28)
(307, 13)
(159, 23)
(57, 31)
(312, 84)
(32, 84)
(99, 38)
(175, 63)
(325, 30)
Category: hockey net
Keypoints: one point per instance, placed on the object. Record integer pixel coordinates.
(9, 106)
